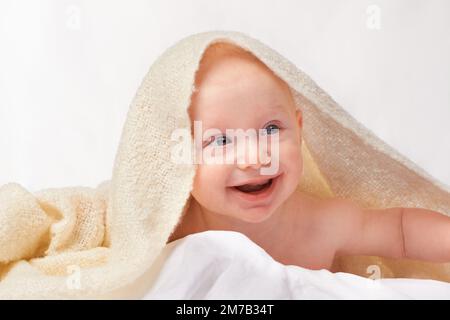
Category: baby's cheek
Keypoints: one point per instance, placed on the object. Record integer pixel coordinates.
(209, 181)
(291, 159)
(290, 151)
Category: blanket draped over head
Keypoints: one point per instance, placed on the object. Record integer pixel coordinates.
(81, 242)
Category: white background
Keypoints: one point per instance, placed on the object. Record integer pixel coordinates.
(69, 70)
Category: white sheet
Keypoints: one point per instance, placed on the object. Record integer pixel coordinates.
(228, 265)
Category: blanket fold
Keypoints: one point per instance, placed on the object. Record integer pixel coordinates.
(81, 242)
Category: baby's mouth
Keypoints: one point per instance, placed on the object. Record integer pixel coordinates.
(254, 188)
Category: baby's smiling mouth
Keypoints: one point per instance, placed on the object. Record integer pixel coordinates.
(254, 188)
(256, 185)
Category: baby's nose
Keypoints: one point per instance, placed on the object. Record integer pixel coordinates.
(253, 157)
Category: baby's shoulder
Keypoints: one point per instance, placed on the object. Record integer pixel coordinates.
(331, 218)
(327, 207)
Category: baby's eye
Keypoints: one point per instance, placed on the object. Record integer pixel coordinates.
(218, 141)
(272, 128)
(222, 140)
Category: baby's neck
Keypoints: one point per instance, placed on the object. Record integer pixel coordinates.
(278, 229)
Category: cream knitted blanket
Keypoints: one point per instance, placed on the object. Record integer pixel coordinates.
(96, 242)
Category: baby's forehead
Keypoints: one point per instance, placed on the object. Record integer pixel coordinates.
(219, 117)
(225, 70)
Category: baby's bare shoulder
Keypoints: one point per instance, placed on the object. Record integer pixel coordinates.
(339, 214)
(333, 220)
(324, 210)
(321, 229)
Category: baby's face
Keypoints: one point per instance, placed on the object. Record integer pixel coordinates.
(235, 93)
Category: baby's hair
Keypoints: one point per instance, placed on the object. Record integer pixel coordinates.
(226, 49)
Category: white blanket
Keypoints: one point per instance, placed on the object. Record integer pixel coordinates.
(228, 265)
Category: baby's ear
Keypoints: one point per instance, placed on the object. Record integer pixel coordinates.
(299, 117)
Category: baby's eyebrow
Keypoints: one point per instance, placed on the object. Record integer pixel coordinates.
(271, 112)
(275, 109)
(276, 106)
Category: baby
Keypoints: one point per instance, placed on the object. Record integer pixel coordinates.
(235, 90)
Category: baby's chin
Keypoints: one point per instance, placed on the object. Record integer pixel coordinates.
(255, 219)
(253, 215)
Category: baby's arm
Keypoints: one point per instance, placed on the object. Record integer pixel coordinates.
(426, 235)
(394, 232)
